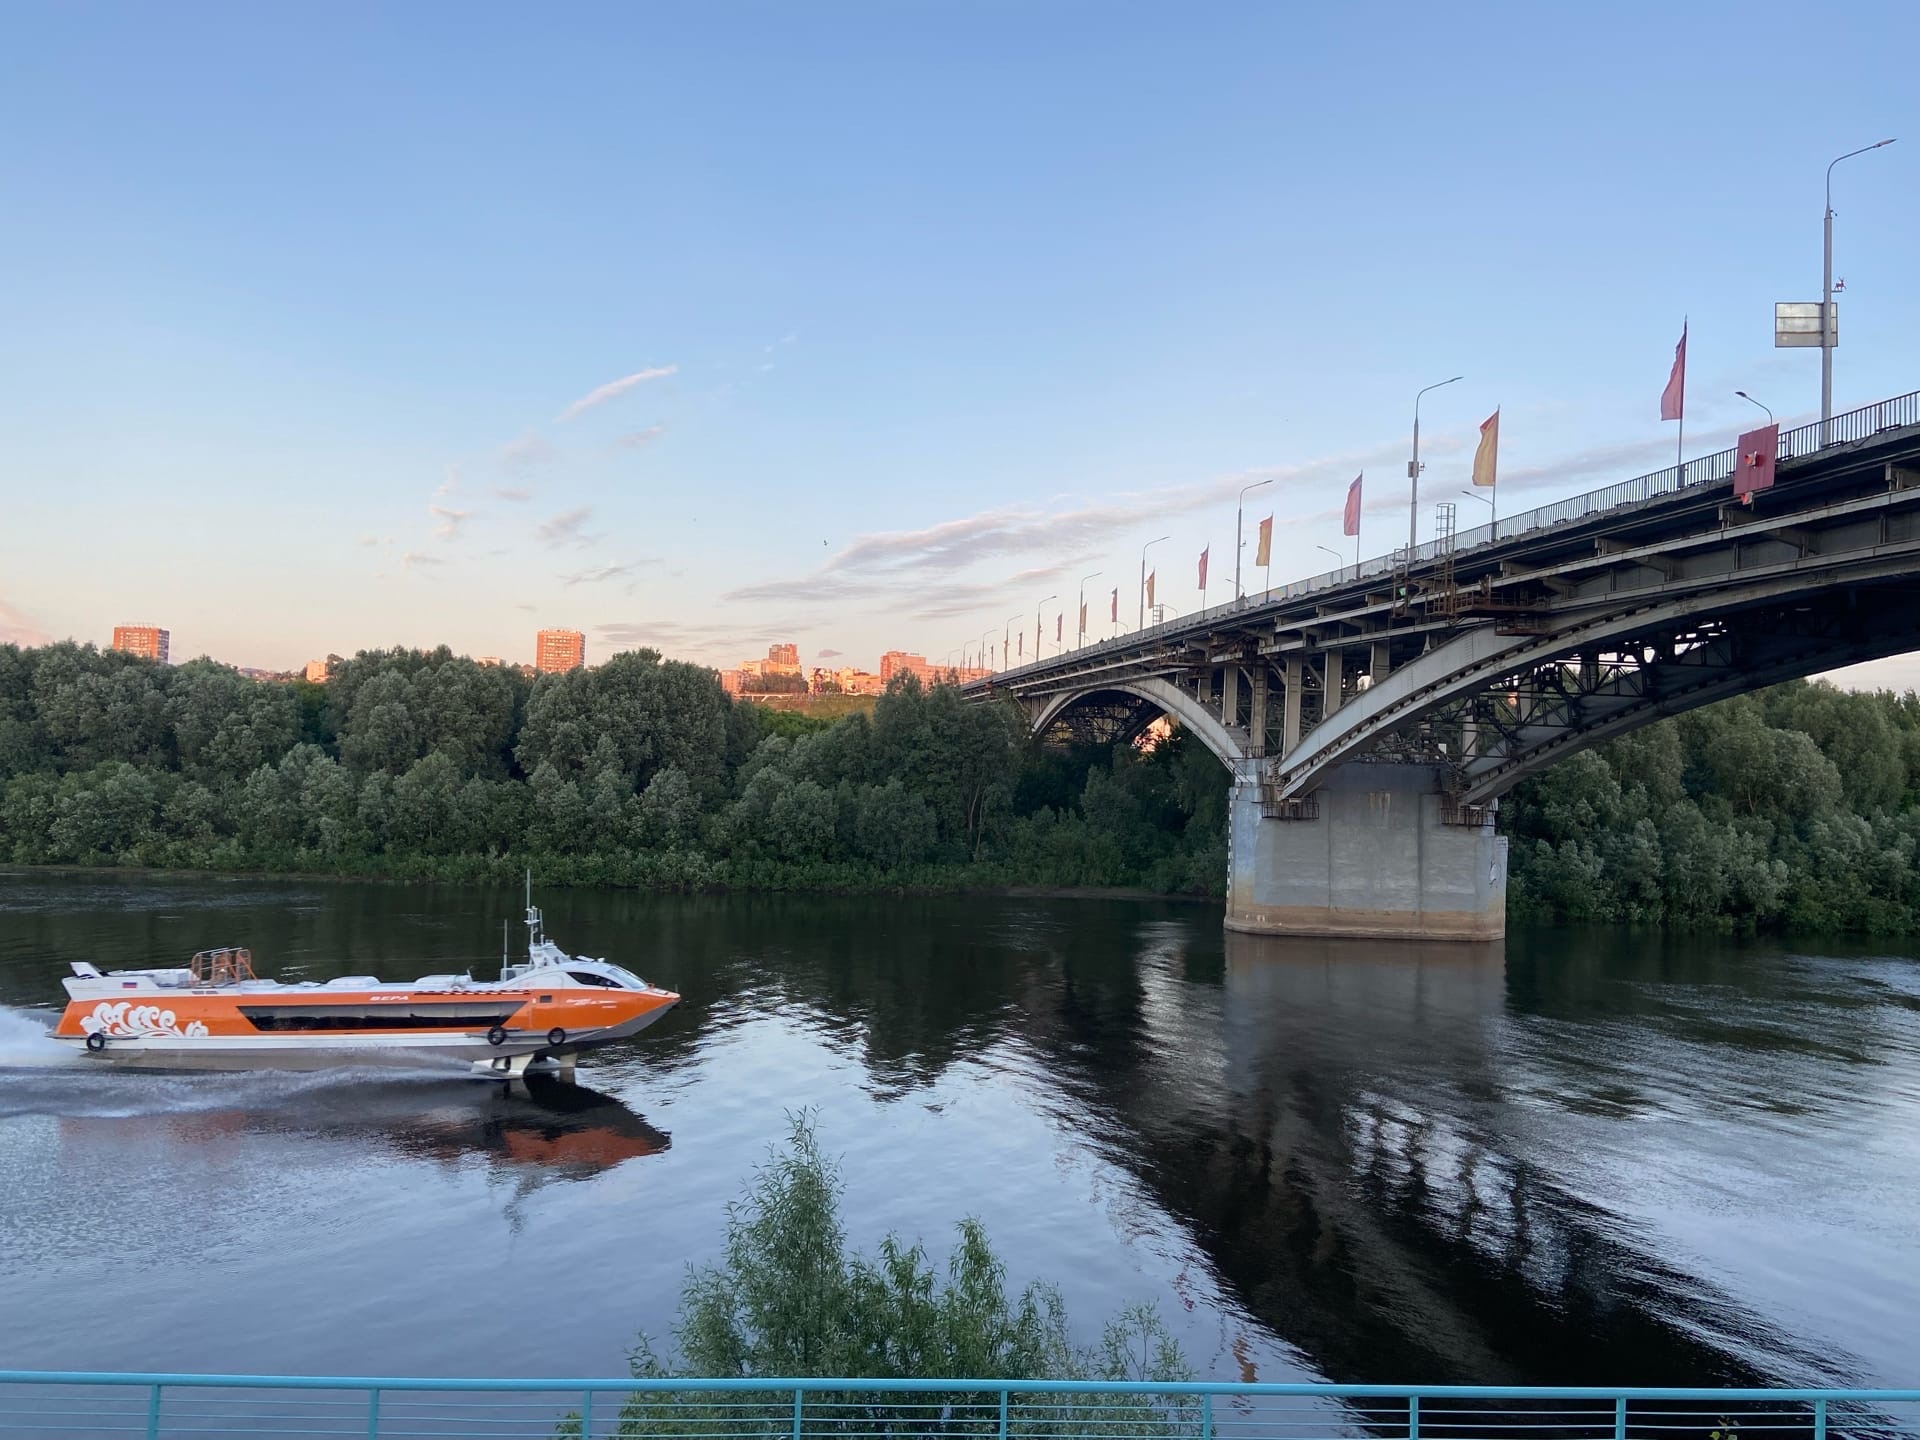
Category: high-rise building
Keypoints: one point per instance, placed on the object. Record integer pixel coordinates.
(149, 641)
(557, 650)
(783, 660)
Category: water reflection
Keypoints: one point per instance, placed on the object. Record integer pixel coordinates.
(1581, 1157)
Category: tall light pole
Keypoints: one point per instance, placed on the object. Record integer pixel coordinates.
(1006, 640)
(1238, 511)
(1751, 401)
(1413, 472)
(985, 636)
(1338, 558)
(1494, 518)
(1826, 295)
(1036, 624)
(1082, 637)
(1143, 577)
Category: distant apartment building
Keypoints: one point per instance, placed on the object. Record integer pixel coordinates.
(558, 650)
(901, 662)
(782, 660)
(147, 641)
(317, 671)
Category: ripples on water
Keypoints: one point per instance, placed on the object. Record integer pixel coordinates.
(1574, 1158)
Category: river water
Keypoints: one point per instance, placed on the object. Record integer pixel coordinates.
(1579, 1157)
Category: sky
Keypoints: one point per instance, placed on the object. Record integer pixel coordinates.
(868, 326)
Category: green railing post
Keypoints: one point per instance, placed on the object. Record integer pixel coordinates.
(1413, 1417)
(1620, 1418)
(1820, 1420)
(1003, 1415)
(1206, 1416)
(586, 1415)
(373, 1414)
(153, 1414)
(798, 1395)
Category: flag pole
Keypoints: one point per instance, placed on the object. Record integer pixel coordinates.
(1680, 439)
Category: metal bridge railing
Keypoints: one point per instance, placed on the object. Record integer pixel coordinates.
(1717, 468)
(36, 1403)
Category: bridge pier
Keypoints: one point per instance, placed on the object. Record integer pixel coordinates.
(1378, 855)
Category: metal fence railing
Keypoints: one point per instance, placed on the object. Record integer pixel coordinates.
(1795, 444)
(34, 1403)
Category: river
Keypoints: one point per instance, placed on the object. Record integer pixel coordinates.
(1579, 1157)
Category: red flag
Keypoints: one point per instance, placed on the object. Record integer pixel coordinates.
(1059, 624)
(1673, 399)
(1115, 617)
(1203, 567)
(1150, 578)
(1351, 524)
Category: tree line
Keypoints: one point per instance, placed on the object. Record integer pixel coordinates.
(1797, 807)
(641, 771)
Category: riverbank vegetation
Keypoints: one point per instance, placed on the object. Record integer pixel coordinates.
(1795, 808)
(639, 772)
(788, 1297)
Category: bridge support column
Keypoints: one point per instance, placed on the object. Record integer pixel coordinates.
(1379, 860)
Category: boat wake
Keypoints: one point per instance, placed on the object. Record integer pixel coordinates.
(41, 1076)
(26, 1040)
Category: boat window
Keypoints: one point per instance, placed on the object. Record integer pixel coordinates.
(587, 977)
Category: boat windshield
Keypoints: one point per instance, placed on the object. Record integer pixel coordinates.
(625, 977)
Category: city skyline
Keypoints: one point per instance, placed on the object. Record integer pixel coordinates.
(863, 364)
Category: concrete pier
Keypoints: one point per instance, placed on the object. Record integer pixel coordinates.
(1382, 858)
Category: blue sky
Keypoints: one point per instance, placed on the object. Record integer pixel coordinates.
(314, 320)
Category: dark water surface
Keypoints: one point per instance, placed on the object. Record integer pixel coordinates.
(1580, 1157)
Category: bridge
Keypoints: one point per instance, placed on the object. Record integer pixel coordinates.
(1373, 715)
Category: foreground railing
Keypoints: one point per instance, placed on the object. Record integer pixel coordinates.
(65, 1404)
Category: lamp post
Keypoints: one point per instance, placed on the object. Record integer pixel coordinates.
(1006, 640)
(1495, 517)
(985, 637)
(1338, 559)
(1237, 542)
(1413, 471)
(1036, 624)
(1081, 638)
(1143, 577)
(1751, 401)
(1826, 294)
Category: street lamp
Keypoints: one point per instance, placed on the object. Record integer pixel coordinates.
(1006, 641)
(1413, 471)
(985, 636)
(1081, 639)
(1826, 294)
(1338, 559)
(1495, 518)
(1237, 542)
(1143, 577)
(1751, 401)
(1036, 624)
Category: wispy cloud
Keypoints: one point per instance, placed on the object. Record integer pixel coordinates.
(726, 641)
(612, 390)
(413, 559)
(447, 521)
(451, 484)
(634, 439)
(17, 629)
(529, 450)
(828, 654)
(567, 528)
(376, 539)
(595, 574)
(885, 562)
(516, 494)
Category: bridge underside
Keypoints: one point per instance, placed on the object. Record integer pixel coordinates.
(1371, 724)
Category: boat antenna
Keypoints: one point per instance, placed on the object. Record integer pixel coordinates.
(533, 916)
(503, 942)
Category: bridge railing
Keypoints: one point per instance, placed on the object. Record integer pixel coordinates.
(1717, 468)
(155, 1406)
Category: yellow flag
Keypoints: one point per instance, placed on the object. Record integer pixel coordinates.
(1264, 555)
(1488, 453)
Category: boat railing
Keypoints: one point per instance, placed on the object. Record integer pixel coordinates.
(226, 966)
